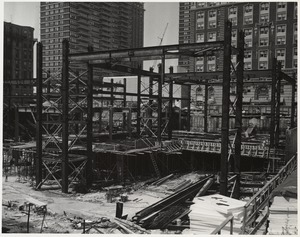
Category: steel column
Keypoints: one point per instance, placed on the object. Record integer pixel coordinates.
(39, 119)
(188, 122)
(170, 108)
(273, 93)
(65, 112)
(293, 102)
(139, 101)
(278, 85)
(238, 111)
(225, 108)
(205, 105)
(16, 124)
(149, 115)
(111, 123)
(112, 92)
(124, 103)
(90, 113)
(159, 98)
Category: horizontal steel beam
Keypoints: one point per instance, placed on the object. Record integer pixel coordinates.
(143, 52)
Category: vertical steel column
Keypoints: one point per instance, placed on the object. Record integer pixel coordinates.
(272, 124)
(205, 106)
(90, 113)
(188, 122)
(112, 92)
(278, 85)
(149, 115)
(111, 123)
(170, 107)
(139, 101)
(293, 101)
(239, 115)
(159, 98)
(65, 112)
(39, 119)
(124, 103)
(129, 116)
(225, 108)
(16, 123)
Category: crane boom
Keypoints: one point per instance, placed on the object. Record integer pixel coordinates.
(160, 43)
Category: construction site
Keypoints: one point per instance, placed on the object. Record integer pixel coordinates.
(92, 162)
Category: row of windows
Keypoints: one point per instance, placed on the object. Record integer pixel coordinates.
(248, 15)
(280, 38)
(263, 60)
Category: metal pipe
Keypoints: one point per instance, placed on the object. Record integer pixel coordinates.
(65, 113)
(225, 108)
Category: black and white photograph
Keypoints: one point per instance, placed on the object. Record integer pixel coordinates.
(174, 117)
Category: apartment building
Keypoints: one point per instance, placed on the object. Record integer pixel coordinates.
(270, 31)
(18, 59)
(103, 25)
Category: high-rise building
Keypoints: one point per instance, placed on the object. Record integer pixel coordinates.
(270, 31)
(18, 59)
(103, 25)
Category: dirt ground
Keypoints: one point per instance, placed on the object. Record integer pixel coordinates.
(65, 212)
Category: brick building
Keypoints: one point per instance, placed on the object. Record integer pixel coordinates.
(270, 31)
(103, 25)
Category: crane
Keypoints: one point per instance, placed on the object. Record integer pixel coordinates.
(160, 43)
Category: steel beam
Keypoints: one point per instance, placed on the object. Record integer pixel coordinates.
(90, 113)
(146, 52)
(225, 108)
(39, 119)
(65, 112)
(170, 110)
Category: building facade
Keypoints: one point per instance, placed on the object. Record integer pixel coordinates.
(103, 25)
(270, 31)
(18, 59)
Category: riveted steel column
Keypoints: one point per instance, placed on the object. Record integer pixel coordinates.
(278, 85)
(238, 111)
(170, 107)
(149, 115)
(159, 99)
(188, 122)
(124, 103)
(139, 101)
(39, 119)
(65, 112)
(273, 93)
(293, 101)
(205, 106)
(16, 123)
(225, 108)
(90, 113)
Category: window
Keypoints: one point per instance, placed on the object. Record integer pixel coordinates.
(211, 63)
(200, 37)
(264, 31)
(263, 42)
(280, 55)
(212, 36)
(234, 38)
(200, 25)
(248, 9)
(212, 24)
(248, 54)
(264, 18)
(263, 53)
(248, 37)
(248, 20)
(232, 15)
(247, 65)
(263, 59)
(200, 68)
(281, 29)
(281, 16)
(280, 40)
(201, 4)
(212, 14)
(281, 6)
(264, 6)
(200, 15)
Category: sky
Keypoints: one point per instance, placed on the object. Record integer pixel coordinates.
(157, 16)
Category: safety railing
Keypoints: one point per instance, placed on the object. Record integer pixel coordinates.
(223, 224)
(262, 197)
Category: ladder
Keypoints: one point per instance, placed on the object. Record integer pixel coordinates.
(155, 164)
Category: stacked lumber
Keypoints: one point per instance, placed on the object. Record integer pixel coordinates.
(208, 212)
(283, 216)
